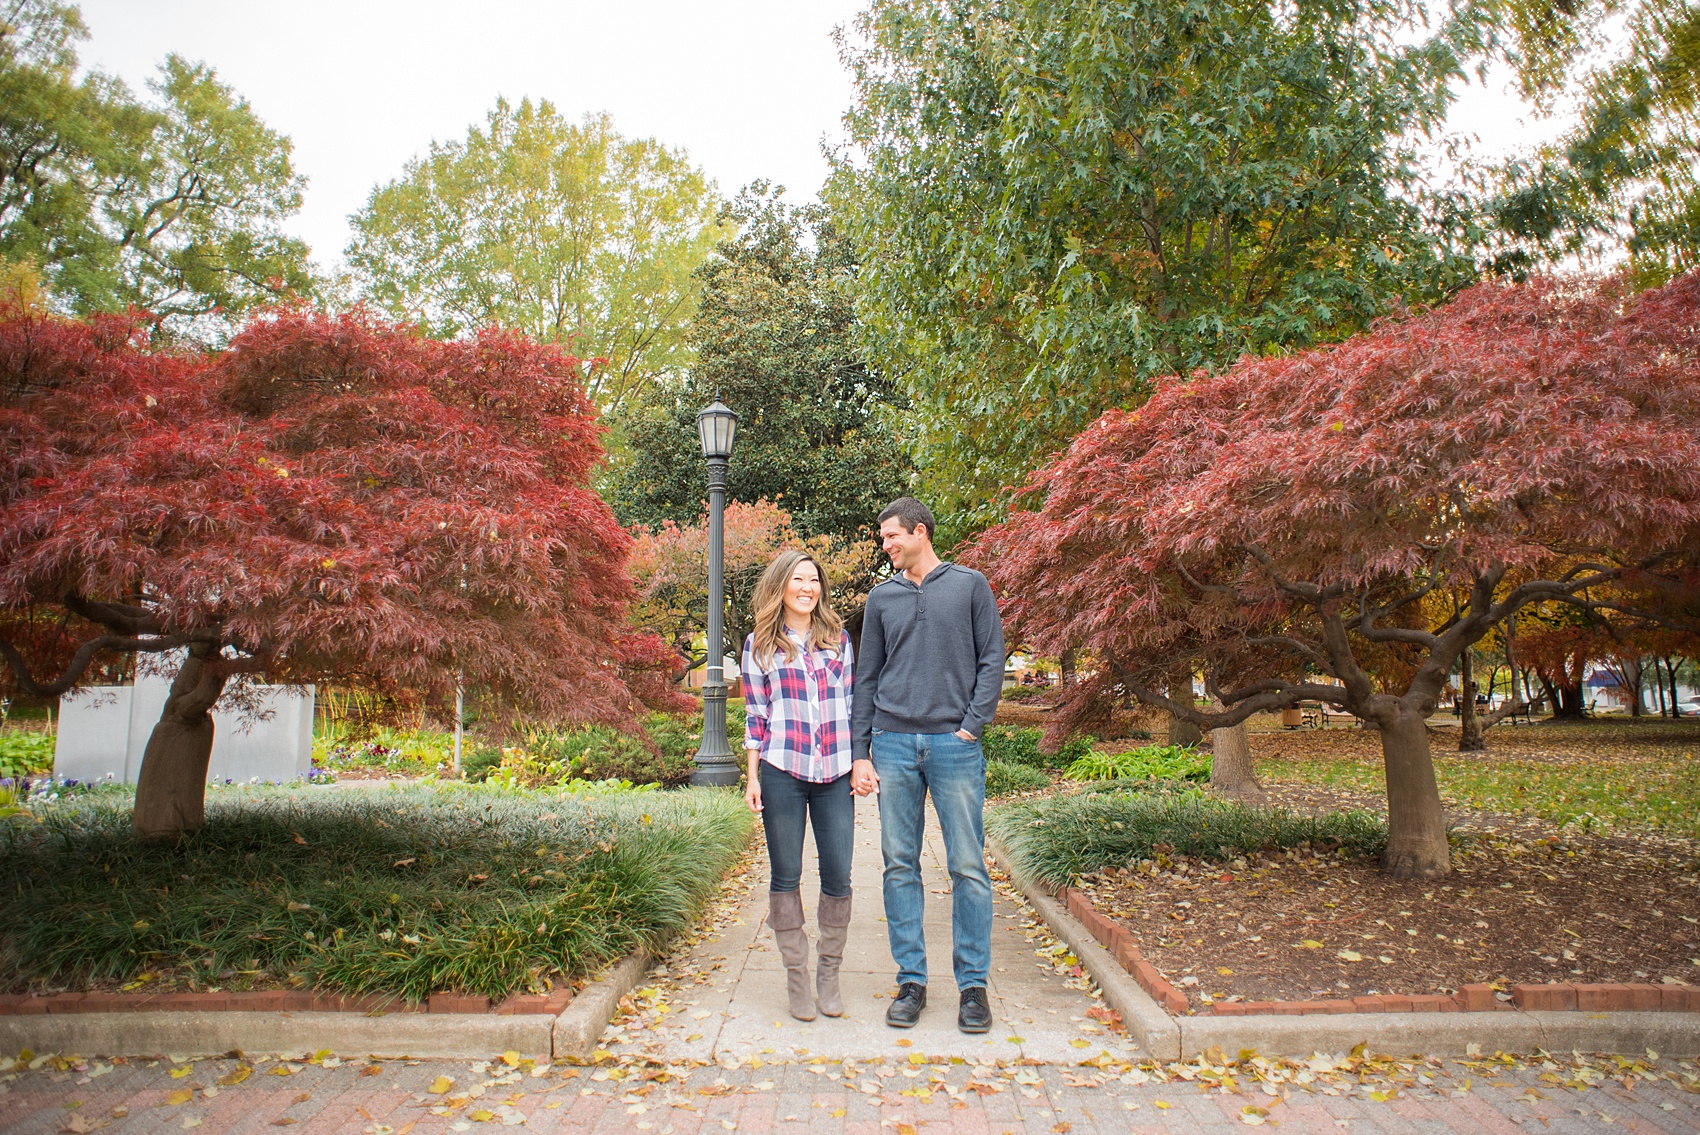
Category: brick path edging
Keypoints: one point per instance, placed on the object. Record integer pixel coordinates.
(282, 1001)
(558, 1026)
(1578, 996)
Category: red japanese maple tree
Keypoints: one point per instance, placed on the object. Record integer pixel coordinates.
(330, 497)
(1277, 524)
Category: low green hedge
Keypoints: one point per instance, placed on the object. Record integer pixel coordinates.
(1061, 838)
(397, 890)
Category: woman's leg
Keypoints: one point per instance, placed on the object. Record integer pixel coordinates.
(832, 810)
(784, 801)
(784, 811)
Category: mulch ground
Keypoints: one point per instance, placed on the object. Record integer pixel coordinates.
(1525, 903)
(1520, 906)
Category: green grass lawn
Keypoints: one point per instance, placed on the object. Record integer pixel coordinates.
(399, 890)
(1618, 775)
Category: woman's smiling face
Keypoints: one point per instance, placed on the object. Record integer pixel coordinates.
(802, 590)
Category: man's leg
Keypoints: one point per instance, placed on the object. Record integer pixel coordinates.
(956, 775)
(902, 800)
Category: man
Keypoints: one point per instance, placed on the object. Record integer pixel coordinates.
(927, 684)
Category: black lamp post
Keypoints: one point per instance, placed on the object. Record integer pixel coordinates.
(716, 427)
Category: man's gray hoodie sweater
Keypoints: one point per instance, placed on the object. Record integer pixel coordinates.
(931, 658)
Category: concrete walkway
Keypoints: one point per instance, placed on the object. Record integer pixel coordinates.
(728, 993)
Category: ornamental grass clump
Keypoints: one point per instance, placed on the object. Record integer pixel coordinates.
(401, 891)
(1061, 838)
(1151, 762)
(1003, 778)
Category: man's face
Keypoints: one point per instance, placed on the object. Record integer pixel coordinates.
(904, 548)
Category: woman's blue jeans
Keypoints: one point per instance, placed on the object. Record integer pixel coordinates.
(787, 803)
(910, 766)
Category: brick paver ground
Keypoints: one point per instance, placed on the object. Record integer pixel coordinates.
(136, 1099)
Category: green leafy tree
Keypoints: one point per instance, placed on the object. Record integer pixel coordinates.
(174, 205)
(774, 339)
(1059, 200)
(570, 233)
(1626, 175)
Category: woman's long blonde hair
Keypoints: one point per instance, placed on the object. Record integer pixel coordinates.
(826, 628)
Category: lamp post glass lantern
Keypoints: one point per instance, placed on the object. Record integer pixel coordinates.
(717, 427)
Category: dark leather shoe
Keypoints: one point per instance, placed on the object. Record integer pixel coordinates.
(975, 1016)
(906, 1007)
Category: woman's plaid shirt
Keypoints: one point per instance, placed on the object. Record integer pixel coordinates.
(798, 712)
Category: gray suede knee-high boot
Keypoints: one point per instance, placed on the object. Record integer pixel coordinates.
(785, 917)
(834, 919)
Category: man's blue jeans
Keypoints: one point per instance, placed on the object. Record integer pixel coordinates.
(910, 765)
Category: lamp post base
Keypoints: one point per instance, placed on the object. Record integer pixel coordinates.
(716, 765)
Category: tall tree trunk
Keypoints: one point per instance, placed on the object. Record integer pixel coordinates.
(1659, 683)
(1066, 665)
(1637, 671)
(1470, 738)
(1231, 772)
(1675, 705)
(1183, 734)
(1416, 824)
(171, 792)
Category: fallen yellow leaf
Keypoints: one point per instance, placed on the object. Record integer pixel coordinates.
(1078, 1043)
(1310, 944)
(182, 1095)
(1164, 1104)
(235, 1076)
(179, 1073)
(482, 1115)
(510, 1058)
(440, 1085)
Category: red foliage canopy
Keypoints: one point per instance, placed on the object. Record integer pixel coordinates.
(1520, 445)
(1533, 439)
(329, 497)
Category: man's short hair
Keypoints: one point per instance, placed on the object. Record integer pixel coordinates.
(909, 512)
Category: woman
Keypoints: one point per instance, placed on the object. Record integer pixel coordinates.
(797, 674)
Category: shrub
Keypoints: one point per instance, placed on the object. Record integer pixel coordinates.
(1003, 778)
(1063, 837)
(477, 761)
(25, 753)
(1152, 762)
(1024, 693)
(400, 890)
(1020, 746)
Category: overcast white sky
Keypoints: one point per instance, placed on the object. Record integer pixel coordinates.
(748, 87)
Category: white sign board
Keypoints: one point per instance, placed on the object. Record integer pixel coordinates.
(104, 730)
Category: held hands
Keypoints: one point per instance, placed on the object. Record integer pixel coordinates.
(864, 781)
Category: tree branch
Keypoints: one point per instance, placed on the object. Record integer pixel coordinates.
(82, 659)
